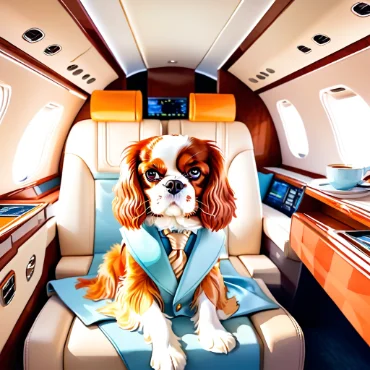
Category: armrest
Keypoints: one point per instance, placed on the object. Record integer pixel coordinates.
(276, 226)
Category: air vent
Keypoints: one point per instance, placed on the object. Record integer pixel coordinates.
(77, 72)
(304, 49)
(321, 39)
(253, 80)
(52, 50)
(361, 9)
(72, 67)
(91, 80)
(270, 70)
(33, 35)
(264, 74)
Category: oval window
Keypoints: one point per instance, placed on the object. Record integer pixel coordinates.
(33, 145)
(294, 128)
(349, 115)
(5, 92)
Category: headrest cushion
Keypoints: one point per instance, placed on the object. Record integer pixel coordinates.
(116, 106)
(212, 108)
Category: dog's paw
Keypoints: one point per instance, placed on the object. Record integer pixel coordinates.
(170, 358)
(216, 340)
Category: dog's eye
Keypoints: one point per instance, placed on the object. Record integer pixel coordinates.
(194, 173)
(152, 175)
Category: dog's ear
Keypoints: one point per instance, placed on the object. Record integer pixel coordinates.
(129, 202)
(218, 197)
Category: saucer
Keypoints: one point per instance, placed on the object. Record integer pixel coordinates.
(324, 186)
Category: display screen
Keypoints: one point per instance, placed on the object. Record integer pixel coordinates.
(168, 108)
(283, 197)
(10, 210)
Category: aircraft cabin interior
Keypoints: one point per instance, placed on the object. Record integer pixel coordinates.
(250, 118)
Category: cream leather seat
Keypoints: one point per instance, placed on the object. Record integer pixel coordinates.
(59, 340)
(211, 117)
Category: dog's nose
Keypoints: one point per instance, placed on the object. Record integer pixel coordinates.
(174, 186)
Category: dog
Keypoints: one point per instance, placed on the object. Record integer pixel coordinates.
(171, 182)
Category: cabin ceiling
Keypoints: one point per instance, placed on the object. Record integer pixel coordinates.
(197, 34)
(277, 47)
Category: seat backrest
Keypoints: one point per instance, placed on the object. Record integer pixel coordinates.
(211, 117)
(86, 224)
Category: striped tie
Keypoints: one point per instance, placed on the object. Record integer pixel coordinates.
(177, 257)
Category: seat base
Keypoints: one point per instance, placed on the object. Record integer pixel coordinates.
(59, 341)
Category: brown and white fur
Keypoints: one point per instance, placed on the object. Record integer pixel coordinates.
(142, 195)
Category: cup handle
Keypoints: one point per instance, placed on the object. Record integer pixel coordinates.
(366, 170)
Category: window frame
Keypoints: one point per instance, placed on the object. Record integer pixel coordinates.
(324, 94)
(5, 101)
(46, 142)
(288, 134)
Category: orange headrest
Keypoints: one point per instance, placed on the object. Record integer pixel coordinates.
(212, 107)
(116, 106)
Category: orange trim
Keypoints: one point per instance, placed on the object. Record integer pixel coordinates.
(340, 268)
(212, 108)
(116, 106)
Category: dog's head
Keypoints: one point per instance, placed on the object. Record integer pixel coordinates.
(173, 175)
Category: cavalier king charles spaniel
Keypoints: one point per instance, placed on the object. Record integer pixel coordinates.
(176, 182)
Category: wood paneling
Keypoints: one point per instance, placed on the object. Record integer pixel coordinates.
(251, 110)
(18, 55)
(345, 52)
(29, 192)
(276, 9)
(16, 222)
(171, 82)
(338, 266)
(302, 172)
(82, 19)
(356, 213)
(11, 357)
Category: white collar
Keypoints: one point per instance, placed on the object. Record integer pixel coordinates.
(178, 223)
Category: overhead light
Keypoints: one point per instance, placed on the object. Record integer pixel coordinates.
(172, 61)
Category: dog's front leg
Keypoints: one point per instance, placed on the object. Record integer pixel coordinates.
(167, 353)
(212, 335)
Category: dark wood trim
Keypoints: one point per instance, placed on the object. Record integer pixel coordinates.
(252, 111)
(302, 172)
(8, 256)
(340, 54)
(361, 215)
(17, 194)
(271, 15)
(288, 179)
(11, 357)
(18, 55)
(87, 26)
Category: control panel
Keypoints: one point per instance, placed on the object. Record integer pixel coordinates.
(283, 197)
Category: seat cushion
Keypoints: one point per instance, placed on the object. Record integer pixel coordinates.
(73, 266)
(88, 348)
(261, 267)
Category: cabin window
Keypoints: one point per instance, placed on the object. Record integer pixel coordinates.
(5, 92)
(35, 141)
(294, 128)
(349, 115)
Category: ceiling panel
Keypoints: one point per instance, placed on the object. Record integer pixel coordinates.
(109, 18)
(277, 47)
(181, 30)
(248, 14)
(17, 16)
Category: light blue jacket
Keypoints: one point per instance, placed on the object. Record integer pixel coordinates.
(146, 247)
